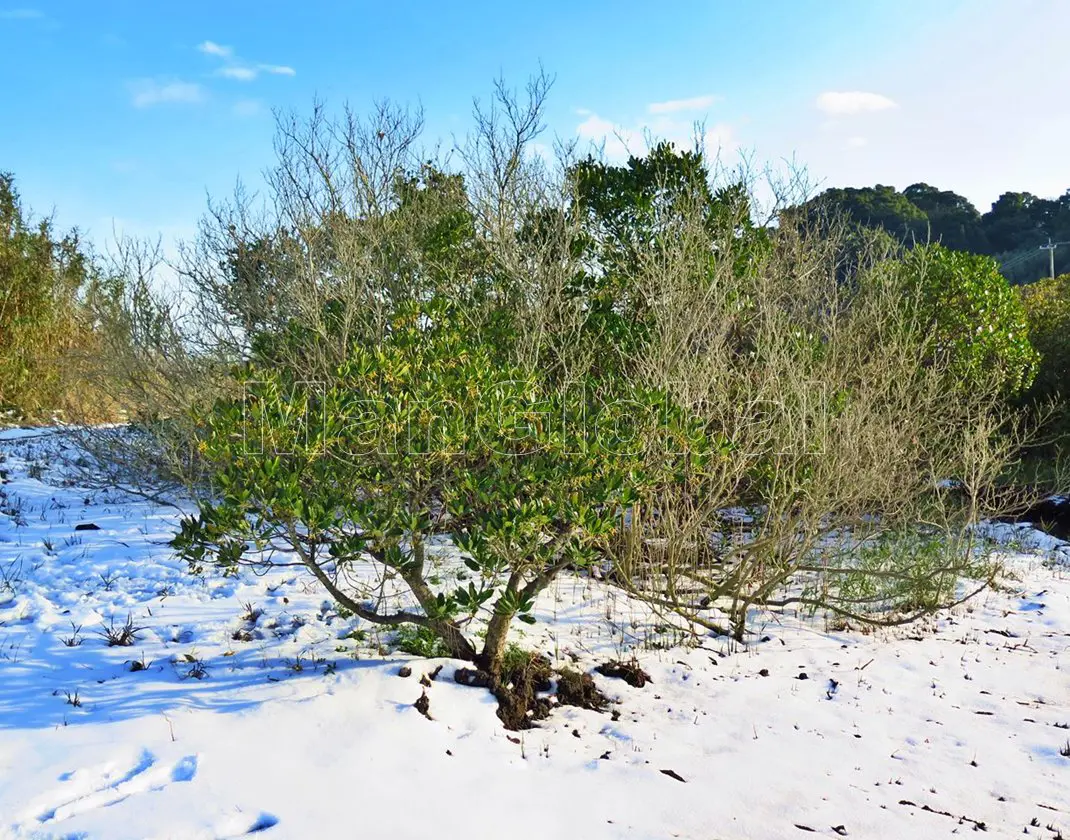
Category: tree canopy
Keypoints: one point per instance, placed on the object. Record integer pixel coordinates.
(1013, 230)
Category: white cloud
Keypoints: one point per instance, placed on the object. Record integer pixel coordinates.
(277, 69)
(673, 106)
(148, 92)
(541, 151)
(855, 142)
(21, 14)
(619, 141)
(244, 73)
(212, 48)
(849, 102)
(237, 72)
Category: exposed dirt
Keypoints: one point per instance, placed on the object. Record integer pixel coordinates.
(522, 682)
(630, 672)
(578, 689)
(519, 705)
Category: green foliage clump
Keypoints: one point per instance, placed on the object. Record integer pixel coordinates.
(977, 320)
(914, 571)
(434, 430)
(633, 217)
(419, 641)
(1047, 309)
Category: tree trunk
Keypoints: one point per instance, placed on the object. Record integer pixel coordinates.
(490, 660)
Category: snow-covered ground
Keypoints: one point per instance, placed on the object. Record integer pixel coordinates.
(295, 726)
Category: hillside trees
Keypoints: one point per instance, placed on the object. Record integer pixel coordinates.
(953, 221)
(877, 207)
(1012, 230)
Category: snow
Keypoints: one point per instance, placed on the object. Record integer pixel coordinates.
(304, 731)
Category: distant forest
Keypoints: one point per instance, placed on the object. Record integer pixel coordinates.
(1013, 231)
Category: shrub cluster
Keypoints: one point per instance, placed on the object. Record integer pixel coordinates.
(1047, 308)
(46, 283)
(439, 387)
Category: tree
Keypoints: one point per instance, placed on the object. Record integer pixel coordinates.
(428, 433)
(1015, 220)
(406, 397)
(45, 280)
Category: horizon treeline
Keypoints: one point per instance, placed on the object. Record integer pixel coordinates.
(1012, 231)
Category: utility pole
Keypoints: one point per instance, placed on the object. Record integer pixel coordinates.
(1050, 248)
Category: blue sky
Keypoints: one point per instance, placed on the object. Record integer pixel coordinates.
(125, 114)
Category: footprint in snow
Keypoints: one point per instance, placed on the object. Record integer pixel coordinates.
(242, 824)
(108, 784)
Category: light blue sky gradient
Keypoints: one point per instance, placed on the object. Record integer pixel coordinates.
(124, 115)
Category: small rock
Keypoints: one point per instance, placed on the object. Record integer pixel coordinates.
(404, 671)
(764, 672)
(87, 526)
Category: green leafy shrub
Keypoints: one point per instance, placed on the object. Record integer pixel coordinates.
(917, 572)
(430, 431)
(977, 320)
(1047, 309)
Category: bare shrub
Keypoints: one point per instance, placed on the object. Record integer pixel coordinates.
(850, 460)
